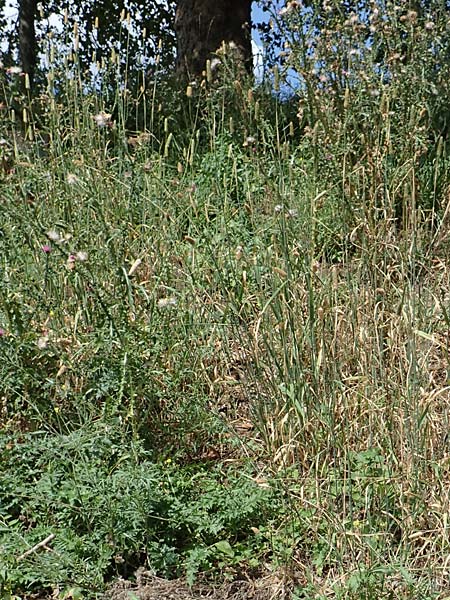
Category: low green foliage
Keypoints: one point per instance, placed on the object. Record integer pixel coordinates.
(111, 508)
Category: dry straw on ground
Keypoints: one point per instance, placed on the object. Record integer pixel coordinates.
(150, 587)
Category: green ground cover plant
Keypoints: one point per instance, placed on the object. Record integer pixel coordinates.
(108, 503)
(224, 322)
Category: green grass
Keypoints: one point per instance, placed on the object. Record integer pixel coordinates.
(224, 342)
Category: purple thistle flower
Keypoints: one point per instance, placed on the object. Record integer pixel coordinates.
(46, 248)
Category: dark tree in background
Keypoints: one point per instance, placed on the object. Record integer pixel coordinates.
(202, 25)
(27, 36)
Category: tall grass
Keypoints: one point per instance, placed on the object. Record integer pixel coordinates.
(222, 278)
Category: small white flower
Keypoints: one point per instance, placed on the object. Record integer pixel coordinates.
(290, 6)
(53, 236)
(42, 342)
(279, 208)
(14, 70)
(71, 178)
(102, 119)
(215, 64)
(167, 302)
(81, 256)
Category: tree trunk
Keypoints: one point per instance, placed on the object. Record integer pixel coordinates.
(27, 36)
(201, 26)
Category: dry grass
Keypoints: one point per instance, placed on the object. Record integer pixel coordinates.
(150, 587)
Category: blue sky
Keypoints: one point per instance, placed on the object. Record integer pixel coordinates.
(258, 16)
(257, 13)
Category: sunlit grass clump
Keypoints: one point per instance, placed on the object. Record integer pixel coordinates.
(224, 323)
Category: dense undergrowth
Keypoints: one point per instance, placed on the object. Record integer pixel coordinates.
(224, 326)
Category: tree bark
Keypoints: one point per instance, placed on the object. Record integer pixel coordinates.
(27, 36)
(201, 26)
